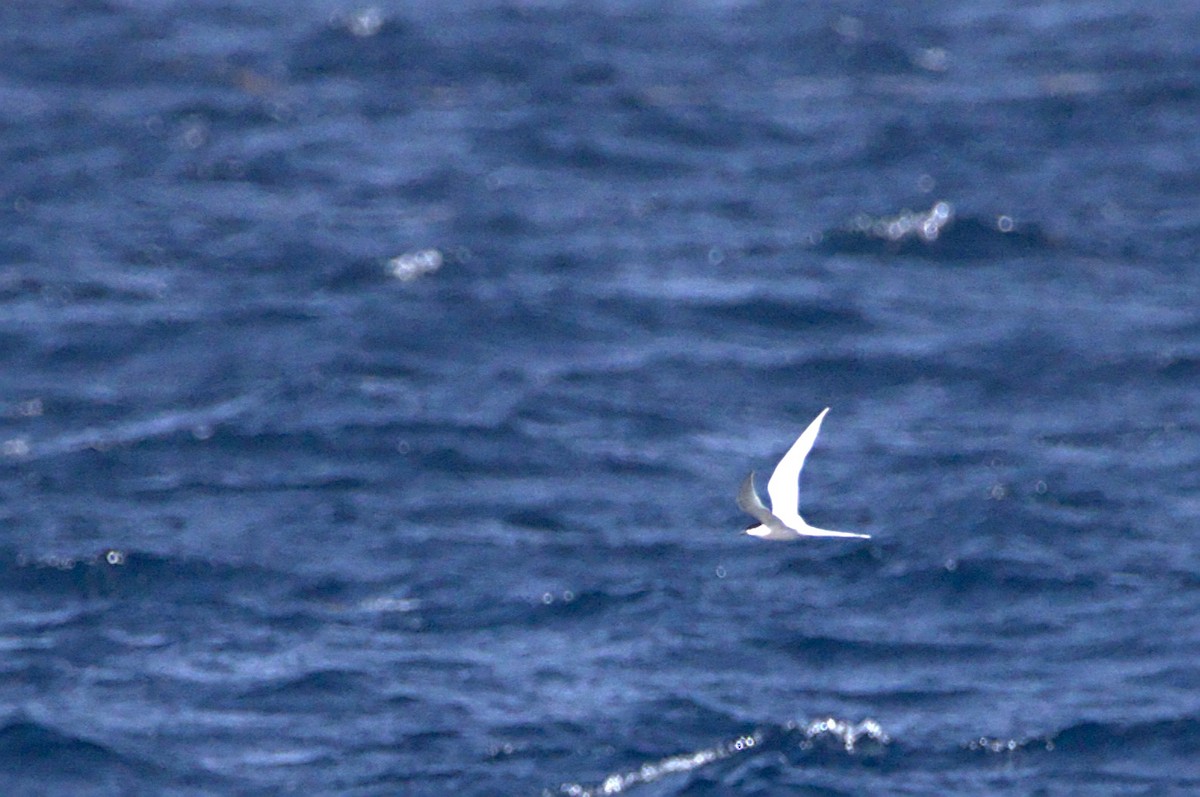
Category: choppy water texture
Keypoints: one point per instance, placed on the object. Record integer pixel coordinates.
(377, 382)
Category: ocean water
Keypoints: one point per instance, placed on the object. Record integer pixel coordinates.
(377, 381)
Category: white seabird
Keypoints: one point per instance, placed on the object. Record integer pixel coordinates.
(782, 521)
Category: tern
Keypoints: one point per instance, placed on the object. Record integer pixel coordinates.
(782, 521)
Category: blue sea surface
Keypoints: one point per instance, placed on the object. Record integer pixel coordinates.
(377, 381)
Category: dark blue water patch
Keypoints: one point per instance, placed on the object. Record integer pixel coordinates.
(781, 316)
(1094, 500)
(114, 342)
(888, 700)
(1180, 368)
(593, 73)
(704, 126)
(988, 580)
(124, 581)
(855, 372)
(580, 606)
(755, 775)
(537, 518)
(856, 561)
(1089, 439)
(669, 721)
(1011, 516)
(998, 576)
(1163, 91)
(55, 290)
(118, 54)
(963, 240)
(566, 608)
(96, 575)
(1175, 739)
(836, 43)
(454, 460)
(608, 157)
(1183, 678)
(438, 183)
(335, 691)
(463, 450)
(397, 54)
(248, 438)
(33, 754)
(830, 652)
(329, 589)
(13, 345)
(1101, 757)
(392, 57)
(445, 320)
(525, 739)
(912, 138)
(628, 395)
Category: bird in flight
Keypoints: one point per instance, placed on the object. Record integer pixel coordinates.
(782, 521)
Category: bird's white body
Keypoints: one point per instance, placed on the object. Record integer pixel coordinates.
(782, 521)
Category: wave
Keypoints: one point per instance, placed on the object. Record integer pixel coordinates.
(1178, 737)
(336, 691)
(40, 758)
(113, 572)
(32, 754)
(760, 759)
(937, 234)
(812, 741)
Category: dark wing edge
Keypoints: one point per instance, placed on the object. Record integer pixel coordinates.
(749, 502)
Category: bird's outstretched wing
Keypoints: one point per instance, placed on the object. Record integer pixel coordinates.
(749, 502)
(752, 505)
(812, 531)
(784, 485)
